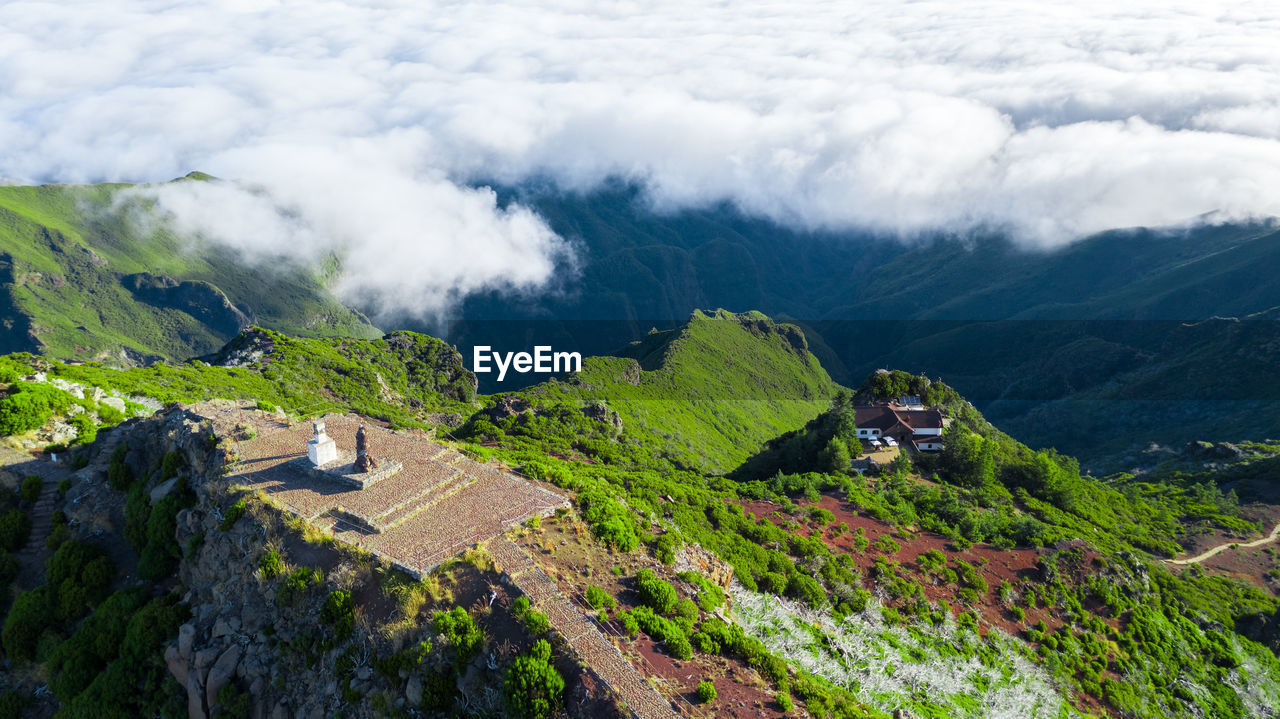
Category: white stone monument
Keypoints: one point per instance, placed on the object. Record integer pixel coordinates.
(320, 449)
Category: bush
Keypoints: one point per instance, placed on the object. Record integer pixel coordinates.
(28, 617)
(30, 490)
(15, 528)
(271, 565)
(461, 631)
(533, 687)
(86, 430)
(339, 613)
(12, 704)
(678, 646)
(233, 514)
(706, 692)
(655, 593)
(169, 466)
(28, 406)
(628, 622)
(686, 609)
(296, 584)
(520, 606)
(119, 476)
(536, 622)
(64, 486)
(597, 598)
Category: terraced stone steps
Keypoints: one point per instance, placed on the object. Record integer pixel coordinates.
(594, 650)
(422, 502)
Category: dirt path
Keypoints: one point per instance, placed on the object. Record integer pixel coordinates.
(1227, 545)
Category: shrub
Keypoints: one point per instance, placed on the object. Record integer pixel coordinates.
(271, 565)
(170, 465)
(686, 609)
(536, 622)
(15, 528)
(119, 475)
(12, 704)
(296, 584)
(64, 486)
(655, 593)
(30, 490)
(597, 598)
(86, 430)
(628, 622)
(887, 544)
(664, 548)
(461, 631)
(28, 406)
(520, 606)
(232, 515)
(706, 692)
(28, 617)
(678, 646)
(339, 612)
(533, 687)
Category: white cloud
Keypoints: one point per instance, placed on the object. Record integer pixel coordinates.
(369, 119)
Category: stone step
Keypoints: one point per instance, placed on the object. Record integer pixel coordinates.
(434, 496)
(422, 494)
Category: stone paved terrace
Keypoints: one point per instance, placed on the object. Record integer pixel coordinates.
(436, 506)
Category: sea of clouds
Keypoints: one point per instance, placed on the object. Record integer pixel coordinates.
(346, 125)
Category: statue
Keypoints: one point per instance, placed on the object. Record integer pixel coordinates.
(364, 463)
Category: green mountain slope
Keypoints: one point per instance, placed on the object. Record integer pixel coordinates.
(79, 280)
(406, 379)
(705, 395)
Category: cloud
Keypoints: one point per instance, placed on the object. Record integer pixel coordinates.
(363, 124)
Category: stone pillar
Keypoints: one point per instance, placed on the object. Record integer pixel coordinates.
(321, 449)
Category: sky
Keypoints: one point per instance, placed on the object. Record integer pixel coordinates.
(369, 127)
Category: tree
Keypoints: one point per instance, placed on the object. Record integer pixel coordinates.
(533, 687)
(835, 458)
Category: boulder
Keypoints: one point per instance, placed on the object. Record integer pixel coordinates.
(186, 640)
(177, 664)
(222, 672)
(413, 689)
(163, 489)
(195, 696)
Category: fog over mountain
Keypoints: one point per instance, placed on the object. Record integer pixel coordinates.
(368, 125)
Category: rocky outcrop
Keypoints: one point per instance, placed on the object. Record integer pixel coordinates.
(201, 300)
(600, 412)
(693, 558)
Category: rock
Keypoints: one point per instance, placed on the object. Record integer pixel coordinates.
(413, 690)
(115, 403)
(177, 664)
(221, 628)
(600, 412)
(364, 673)
(508, 406)
(186, 638)
(204, 659)
(222, 672)
(195, 696)
(163, 489)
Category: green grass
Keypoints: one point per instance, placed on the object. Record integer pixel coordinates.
(63, 249)
(404, 378)
(706, 395)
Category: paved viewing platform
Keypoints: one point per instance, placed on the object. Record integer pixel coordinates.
(435, 504)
